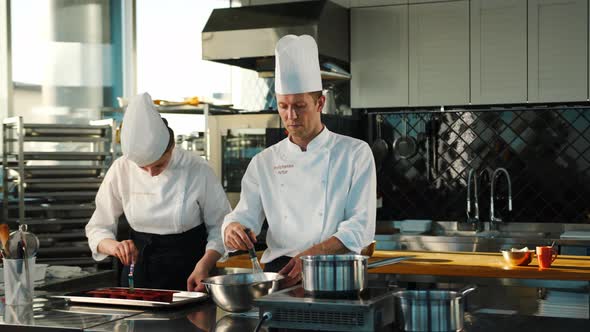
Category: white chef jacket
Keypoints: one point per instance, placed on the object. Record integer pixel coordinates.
(186, 194)
(309, 196)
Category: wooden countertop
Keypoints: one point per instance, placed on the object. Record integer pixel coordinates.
(464, 264)
(483, 264)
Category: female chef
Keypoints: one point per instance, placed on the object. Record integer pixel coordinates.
(172, 200)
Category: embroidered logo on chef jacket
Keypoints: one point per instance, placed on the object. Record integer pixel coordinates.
(282, 169)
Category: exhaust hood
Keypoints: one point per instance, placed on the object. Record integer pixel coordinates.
(246, 36)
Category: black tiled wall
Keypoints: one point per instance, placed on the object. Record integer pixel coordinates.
(546, 152)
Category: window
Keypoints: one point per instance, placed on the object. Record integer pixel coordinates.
(63, 59)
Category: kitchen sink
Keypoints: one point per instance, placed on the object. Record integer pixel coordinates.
(456, 242)
(494, 234)
(452, 236)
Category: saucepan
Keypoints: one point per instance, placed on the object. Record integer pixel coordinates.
(236, 292)
(338, 276)
(430, 310)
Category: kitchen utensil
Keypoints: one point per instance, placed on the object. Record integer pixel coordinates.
(434, 128)
(431, 310)
(338, 276)
(428, 129)
(546, 255)
(18, 285)
(236, 292)
(28, 275)
(256, 268)
(380, 147)
(15, 243)
(4, 234)
(518, 257)
(421, 137)
(405, 145)
(130, 278)
(188, 101)
(178, 298)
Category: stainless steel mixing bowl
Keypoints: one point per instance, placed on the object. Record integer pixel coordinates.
(236, 292)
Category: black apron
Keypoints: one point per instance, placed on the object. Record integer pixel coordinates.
(166, 261)
(277, 264)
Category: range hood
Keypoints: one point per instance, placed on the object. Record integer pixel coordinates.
(246, 36)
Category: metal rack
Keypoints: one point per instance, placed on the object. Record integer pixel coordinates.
(51, 173)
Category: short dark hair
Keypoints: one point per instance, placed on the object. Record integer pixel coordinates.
(315, 95)
(171, 140)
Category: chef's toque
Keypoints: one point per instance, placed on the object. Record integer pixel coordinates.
(297, 65)
(144, 136)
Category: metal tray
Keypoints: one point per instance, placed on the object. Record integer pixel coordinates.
(178, 299)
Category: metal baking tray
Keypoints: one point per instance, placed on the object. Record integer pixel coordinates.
(178, 299)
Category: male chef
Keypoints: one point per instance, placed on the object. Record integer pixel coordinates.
(315, 188)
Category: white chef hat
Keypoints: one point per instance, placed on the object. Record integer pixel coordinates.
(297, 65)
(144, 136)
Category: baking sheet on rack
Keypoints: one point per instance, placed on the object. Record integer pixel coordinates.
(178, 298)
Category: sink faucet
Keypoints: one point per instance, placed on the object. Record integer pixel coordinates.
(475, 218)
(494, 221)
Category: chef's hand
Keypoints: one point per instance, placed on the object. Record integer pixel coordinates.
(292, 272)
(193, 283)
(125, 251)
(236, 237)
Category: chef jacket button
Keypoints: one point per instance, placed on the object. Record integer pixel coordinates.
(321, 214)
(285, 217)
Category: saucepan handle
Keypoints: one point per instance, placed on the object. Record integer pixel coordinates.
(388, 261)
(467, 289)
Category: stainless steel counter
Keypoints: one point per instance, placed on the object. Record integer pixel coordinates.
(57, 315)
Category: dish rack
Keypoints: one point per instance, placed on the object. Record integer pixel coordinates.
(51, 173)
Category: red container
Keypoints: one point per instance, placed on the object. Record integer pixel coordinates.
(546, 255)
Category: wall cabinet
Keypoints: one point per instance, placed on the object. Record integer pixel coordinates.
(379, 56)
(498, 51)
(439, 53)
(478, 52)
(558, 50)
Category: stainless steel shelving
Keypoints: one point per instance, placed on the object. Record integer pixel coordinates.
(51, 175)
